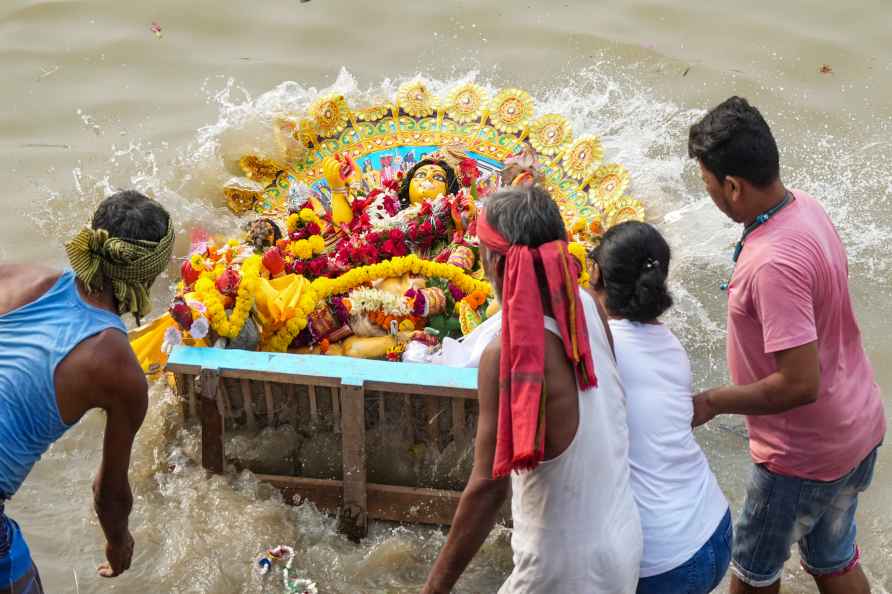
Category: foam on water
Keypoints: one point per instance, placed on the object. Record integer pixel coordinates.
(198, 535)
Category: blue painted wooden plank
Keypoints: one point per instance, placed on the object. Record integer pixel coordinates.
(349, 370)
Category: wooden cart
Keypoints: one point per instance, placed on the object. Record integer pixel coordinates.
(431, 406)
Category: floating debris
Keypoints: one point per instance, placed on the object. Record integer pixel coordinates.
(825, 69)
(46, 72)
(279, 554)
(90, 122)
(156, 29)
(44, 145)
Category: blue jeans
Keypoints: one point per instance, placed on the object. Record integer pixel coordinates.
(701, 573)
(820, 516)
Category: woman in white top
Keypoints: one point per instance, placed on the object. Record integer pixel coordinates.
(684, 515)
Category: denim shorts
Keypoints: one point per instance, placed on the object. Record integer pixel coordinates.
(700, 574)
(780, 510)
(18, 575)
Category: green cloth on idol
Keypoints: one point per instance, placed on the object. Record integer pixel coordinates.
(131, 265)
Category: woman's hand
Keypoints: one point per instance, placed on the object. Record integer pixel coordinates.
(331, 170)
(338, 170)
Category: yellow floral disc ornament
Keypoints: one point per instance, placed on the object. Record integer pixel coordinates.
(306, 132)
(583, 157)
(330, 115)
(510, 110)
(416, 99)
(550, 133)
(372, 113)
(609, 182)
(622, 210)
(465, 103)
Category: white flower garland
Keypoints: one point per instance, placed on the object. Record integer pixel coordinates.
(368, 300)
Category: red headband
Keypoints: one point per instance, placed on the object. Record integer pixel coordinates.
(520, 440)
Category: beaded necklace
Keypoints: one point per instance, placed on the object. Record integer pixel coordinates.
(760, 220)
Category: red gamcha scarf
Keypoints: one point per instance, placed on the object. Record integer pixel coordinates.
(520, 439)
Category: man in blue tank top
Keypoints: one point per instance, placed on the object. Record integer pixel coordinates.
(61, 334)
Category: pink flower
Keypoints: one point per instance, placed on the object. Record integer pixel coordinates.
(228, 282)
(273, 261)
(189, 274)
(197, 306)
(317, 266)
(200, 328)
(468, 171)
(172, 337)
(181, 313)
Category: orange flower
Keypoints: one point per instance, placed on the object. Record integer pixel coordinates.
(475, 299)
(324, 345)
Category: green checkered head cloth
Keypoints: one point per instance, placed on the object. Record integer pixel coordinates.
(130, 265)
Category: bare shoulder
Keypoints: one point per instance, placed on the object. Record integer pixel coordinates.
(492, 351)
(20, 284)
(559, 374)
(104, 370)
(113, 360)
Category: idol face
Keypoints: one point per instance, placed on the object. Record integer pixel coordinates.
(428, 182)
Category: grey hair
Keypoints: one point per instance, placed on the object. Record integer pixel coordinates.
(525, 216)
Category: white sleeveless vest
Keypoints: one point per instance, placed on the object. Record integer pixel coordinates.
(576, 525)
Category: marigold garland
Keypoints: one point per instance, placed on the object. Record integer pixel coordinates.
(578, 251)
(229, 326)
(322, 288)
(326, 287)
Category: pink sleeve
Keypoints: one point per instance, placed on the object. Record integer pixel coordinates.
(783, 298)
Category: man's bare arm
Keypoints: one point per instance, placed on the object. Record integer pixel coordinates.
(795, 383)
(125, 401)
(483, 496)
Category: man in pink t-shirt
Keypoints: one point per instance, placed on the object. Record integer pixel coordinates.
(800, 373)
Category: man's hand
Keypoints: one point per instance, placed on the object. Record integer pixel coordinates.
(119, 557)
(483, 496)
(796, 383)
(704, 411)
(123, 395)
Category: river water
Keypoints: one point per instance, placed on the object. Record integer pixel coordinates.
(95, 101)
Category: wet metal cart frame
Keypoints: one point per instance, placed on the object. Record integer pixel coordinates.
(274, 388)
